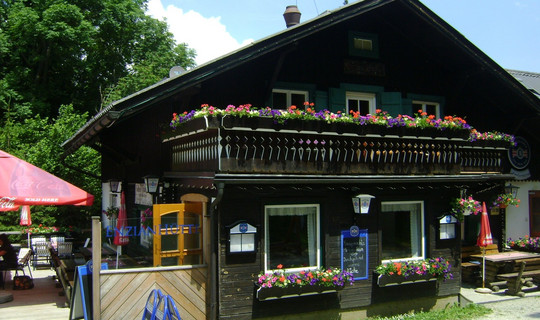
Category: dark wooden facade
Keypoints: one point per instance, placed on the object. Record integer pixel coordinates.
(246, 165)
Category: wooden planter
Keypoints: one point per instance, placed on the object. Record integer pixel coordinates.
(292, 292)
(396, 280)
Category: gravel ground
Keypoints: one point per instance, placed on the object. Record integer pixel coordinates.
(523, 308)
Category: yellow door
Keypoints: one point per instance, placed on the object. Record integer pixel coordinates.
(178, 234)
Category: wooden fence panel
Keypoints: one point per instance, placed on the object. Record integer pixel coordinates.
(124, 292)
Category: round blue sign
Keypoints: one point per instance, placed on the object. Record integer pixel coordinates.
(354, 231)
(520, 154)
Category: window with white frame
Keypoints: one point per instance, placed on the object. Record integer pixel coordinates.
(431, 108)
(402, 225)
(292, 237)
(360, 101)
(283, 99)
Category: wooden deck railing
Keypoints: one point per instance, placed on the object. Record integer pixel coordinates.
(214, 146)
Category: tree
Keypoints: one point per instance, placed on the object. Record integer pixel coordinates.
(70, 52)
(38, 141)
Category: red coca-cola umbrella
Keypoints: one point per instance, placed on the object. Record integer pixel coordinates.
(484, 239)
(22, 183)
(121, 234)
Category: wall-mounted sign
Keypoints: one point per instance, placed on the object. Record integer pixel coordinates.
(242, 238)
(520, 154)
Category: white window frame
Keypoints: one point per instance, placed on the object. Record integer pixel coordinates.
(424, 107)
(422, 248)
(317, 236)
(361, 96)
(289, 94)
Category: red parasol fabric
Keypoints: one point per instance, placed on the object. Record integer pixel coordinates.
(121, 234)
(484, 238)
(22, 183)
(26, 219)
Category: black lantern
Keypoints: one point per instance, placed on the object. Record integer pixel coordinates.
(151, 183)
(115, 185)
(511, 189)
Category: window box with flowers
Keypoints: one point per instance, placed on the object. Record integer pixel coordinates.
(406, 272)
(462, 207)
(310, 119)
(506, 199)
(280, 284)
(527, 243)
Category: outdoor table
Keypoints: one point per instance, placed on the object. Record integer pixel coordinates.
(105, 252)
(502, 263)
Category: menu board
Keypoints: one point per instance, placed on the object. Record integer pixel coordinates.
(354, 252)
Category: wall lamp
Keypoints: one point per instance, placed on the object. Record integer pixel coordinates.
(361, 203)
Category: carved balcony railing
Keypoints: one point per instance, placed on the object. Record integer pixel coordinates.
(229, 146)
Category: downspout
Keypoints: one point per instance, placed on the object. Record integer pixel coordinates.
(214, 239)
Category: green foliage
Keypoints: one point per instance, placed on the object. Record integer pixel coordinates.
(71, 52)
(471, 311)
(59, 61)
(38, 141)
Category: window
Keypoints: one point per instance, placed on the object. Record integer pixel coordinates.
(363, 45)
(292, 237)
(283, 99)
(428, 107)
(402, 226)
(363, 102)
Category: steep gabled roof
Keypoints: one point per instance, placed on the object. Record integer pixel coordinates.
(410, 8)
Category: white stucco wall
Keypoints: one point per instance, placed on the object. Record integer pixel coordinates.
(517, 219)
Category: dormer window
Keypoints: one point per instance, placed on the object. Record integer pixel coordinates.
(363, 45)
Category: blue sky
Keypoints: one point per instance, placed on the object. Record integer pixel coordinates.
(506, 30)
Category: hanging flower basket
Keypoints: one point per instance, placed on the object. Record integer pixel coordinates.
(462, 207)
(506, 199)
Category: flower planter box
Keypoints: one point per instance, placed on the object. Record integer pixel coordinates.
(491, 144)
(293, 292)
(384, 280)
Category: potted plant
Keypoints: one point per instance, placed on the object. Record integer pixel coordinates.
(403, 272)
(146, 218)
(111, 212)
(506, 199)
(281, 284)
(462, 207)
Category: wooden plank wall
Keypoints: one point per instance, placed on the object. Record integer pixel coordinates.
(124, 292)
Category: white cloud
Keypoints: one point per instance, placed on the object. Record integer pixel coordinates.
(208, 36)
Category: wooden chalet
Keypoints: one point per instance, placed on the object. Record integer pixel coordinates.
(289, 187)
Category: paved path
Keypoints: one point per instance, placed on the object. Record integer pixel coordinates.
(43, 302)
(505, 307)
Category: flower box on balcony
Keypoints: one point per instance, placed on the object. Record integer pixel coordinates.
(265, 293)
(384, 280)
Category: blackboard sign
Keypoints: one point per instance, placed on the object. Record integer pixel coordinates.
(354, 253)
(81, 295)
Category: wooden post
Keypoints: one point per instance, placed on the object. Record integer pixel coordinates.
(96, 267)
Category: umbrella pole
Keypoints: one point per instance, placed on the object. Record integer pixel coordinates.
(483, 267)
(483, 289)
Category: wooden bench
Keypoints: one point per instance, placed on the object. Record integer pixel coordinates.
(516, 280)
(470, 271)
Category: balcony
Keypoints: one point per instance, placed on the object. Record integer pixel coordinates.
(231, 144)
